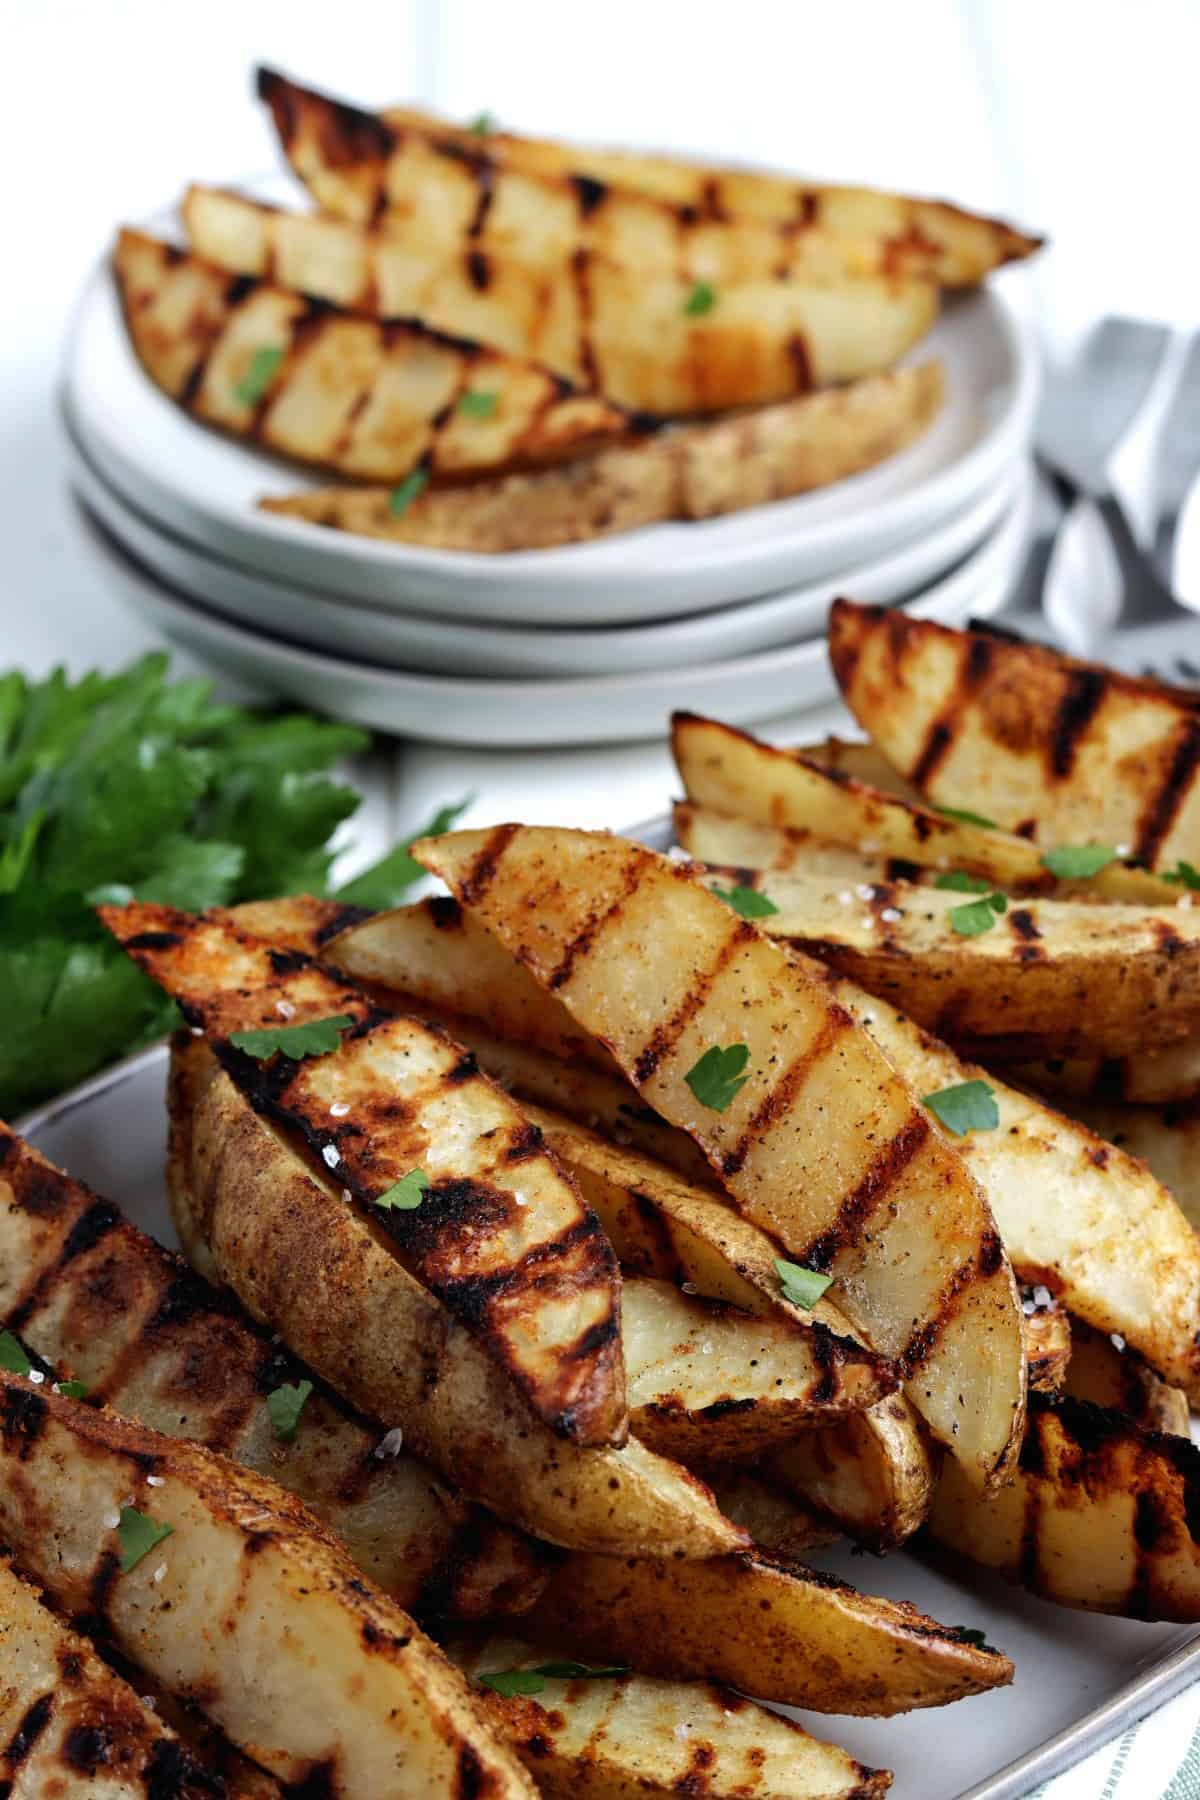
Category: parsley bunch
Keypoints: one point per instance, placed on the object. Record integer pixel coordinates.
(133, 785)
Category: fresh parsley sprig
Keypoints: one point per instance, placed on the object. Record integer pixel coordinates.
(701, 300)
(407, 490)
(1183, 875)
(962, 817)
(957, 881)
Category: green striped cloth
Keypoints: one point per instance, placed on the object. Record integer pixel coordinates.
(1156, 1760)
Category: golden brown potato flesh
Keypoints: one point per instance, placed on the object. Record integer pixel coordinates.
(1104, 1370)
(699, 471)
(228, 1590)
(1100, 1514)
(377, 400)
(72, 1729)
(667, 975)
(1065, 752)
(1011, 980)
(125, 1317)
(306, 1265)
(927, 237)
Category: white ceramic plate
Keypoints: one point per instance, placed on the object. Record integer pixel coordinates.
(112, 1133)
(601, 709)
(203, 486)
(399, 640)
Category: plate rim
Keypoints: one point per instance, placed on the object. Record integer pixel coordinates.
(1014, 527)
(969, 536)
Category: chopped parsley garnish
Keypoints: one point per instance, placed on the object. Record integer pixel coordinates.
(747, 901)
(407, 1193)
(967, 818)
(73, 1390)
(285, 1404)
(257, 379)
(701, 300)
(476, 404)
(386, 881)
(318, 1037)
(532, 1681)
(957, 881)
(803, 1287)
(968, 1106)
(719, 1076)
(483, 124)
(1076, 862)
(1183, 875)
(404, 495)
(13, 1355)
(977, 916)
(138, 1533)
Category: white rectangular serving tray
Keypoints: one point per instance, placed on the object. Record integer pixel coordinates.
(1081, 1679)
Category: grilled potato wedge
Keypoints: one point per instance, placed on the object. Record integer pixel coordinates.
(1148, 1078)
(766, 1626)
(500, 1233)
(1042, 978)
(925, 237)
(625, 1736)
(369, 399)
(1067, 752)
(710, 1383)
(789, 310)
(663, 973)
(421, 177)
(1104, 1371)
(1076, 1214)
(589, 321)
(696, 472)
(249, 1604)
(73, 1729)
(1099, 1516)
(729, 771)
(860, 758)
(307, 1265)
(90, 1295)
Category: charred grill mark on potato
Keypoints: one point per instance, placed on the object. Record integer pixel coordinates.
(786, 1090)
(1161, 807)
(1076, 709)
(871, 1192)
(665, 1036)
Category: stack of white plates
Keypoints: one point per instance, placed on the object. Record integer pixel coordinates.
(586, 643)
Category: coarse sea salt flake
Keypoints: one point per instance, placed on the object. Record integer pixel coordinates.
(159, 1572)
(391, 1443)
(1116, 1340)
(340, 1108)
(846, 898)
(891, 915)
(330, 1157)
(1043, 1297)
(112, 1520)
(285, 1009)
(154, 1481)
(36, 1376)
